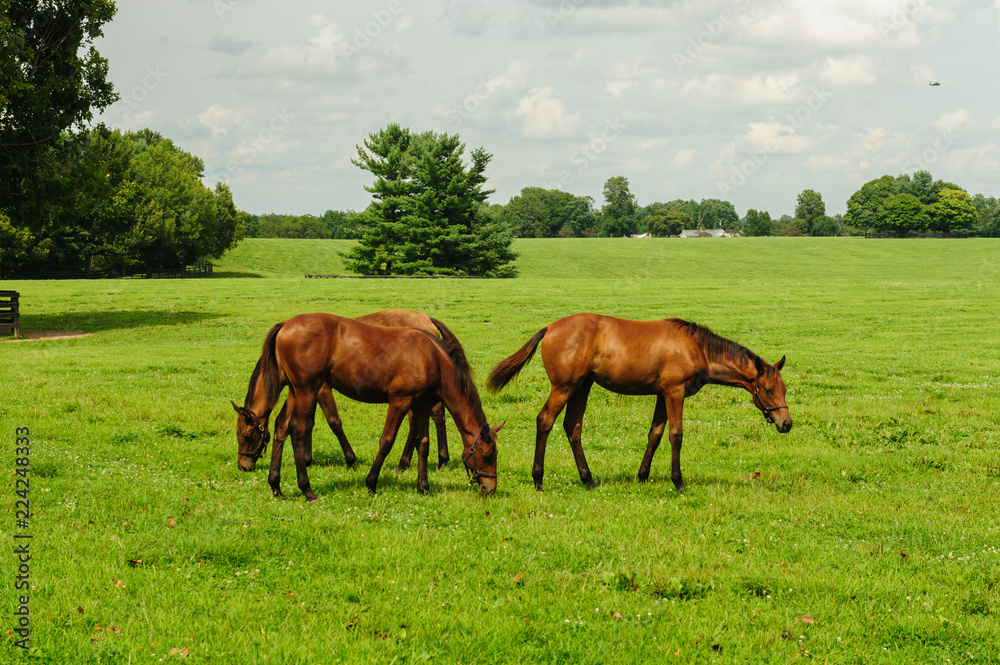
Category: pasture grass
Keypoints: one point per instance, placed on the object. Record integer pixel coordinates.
(867, 534)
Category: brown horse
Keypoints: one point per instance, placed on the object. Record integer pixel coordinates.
(252, 426)
(671, 359)
(409, 369)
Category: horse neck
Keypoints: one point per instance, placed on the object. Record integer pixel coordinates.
(737, 372)
(258, 400)
(465, 410)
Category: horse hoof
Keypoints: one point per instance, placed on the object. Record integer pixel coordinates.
(442, 463)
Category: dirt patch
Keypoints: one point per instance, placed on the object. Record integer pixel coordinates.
(29, 335)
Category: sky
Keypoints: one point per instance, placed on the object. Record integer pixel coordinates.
(750, 101)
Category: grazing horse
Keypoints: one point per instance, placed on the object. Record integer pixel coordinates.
(671, 359)
(409, 369)
(252, 424)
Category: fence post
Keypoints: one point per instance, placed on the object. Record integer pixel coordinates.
(10, 317)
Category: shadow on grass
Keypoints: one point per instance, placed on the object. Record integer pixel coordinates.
(233, 274)
(99, 320)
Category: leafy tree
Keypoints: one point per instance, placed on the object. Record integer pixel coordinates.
(664, 223)
(952, 210)
(51, 79)
(618, 213)
(809, 207)
(921, 184)
(717, 214)
(758, 223)
(543, 213)
(988, 215)
(429, 214)
(864, 205)
(341, 224)
(292, 226)
(902, 213)
(826, 226)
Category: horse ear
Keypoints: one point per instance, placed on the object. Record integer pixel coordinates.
(759, 364)
(237, 409)
(781, 363)
(497, 428)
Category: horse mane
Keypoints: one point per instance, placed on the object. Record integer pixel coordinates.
(460, 365)
(266, 371)
(717, 346)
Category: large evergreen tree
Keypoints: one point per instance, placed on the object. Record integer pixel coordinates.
(429, 214)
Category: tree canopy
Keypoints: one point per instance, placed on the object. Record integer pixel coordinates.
(931, 205)
(429, 214)
(618, 213)
(545, 213)
(51, 79)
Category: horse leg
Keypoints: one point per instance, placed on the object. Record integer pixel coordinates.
(553, 405)
(301, 425)
(393, 419)
(675, 411)
(437, 413)
(655, 435)
(329, 406)
(407, 457)
(278, 446)
(419, 425)
(573, 424)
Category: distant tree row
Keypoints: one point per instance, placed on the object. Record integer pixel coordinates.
(551, 213)
(334, 224)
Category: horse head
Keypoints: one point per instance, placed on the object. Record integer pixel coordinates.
(480, 460)
(251, 436)
(769, 394)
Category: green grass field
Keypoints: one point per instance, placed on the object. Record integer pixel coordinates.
(869, 533)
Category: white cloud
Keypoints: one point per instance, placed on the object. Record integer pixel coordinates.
(955, 121)
(546, 117)
(856, 70)
(684, 157)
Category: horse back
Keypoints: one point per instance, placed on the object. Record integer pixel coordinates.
(622, 355)
(363, 361)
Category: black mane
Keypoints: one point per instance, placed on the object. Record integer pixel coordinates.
(716, 346)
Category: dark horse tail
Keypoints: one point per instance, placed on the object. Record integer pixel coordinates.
(266, 372)
(508, 368)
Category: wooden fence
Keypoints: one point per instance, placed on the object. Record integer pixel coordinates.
(10, 316)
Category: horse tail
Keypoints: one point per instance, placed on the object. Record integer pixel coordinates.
(267, 373)
(508, 368)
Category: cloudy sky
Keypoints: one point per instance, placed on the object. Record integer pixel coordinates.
(746, 100)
